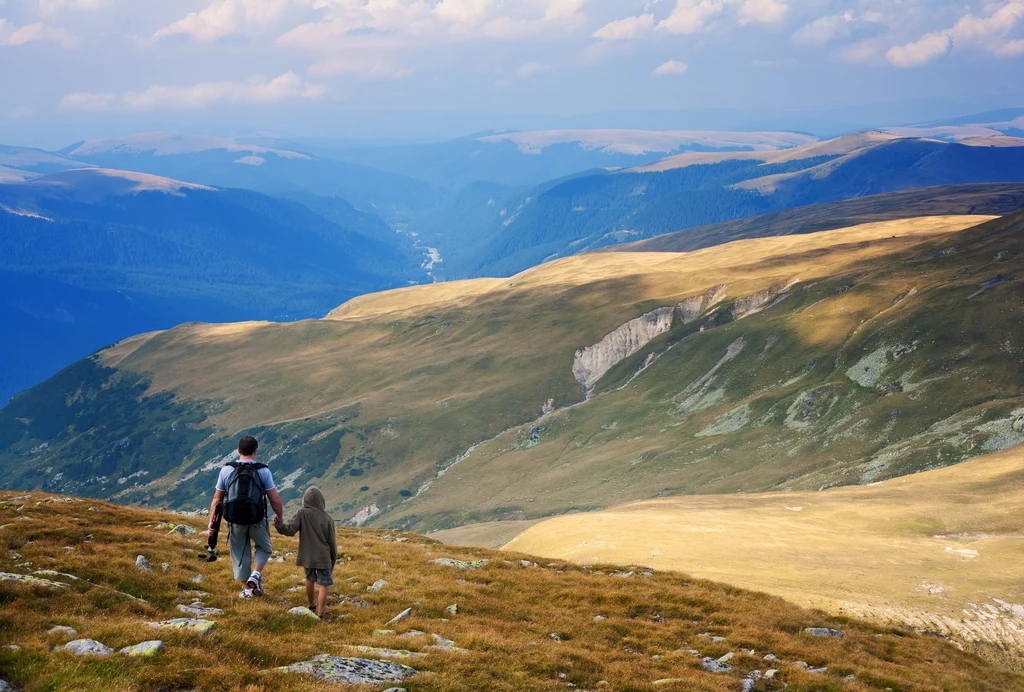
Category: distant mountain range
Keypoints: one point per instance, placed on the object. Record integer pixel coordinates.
(91, 255)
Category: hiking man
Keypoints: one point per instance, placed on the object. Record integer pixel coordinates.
(243, 489)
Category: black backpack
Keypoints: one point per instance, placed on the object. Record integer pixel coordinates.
(246, 501)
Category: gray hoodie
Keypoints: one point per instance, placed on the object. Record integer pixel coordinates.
(318, 545)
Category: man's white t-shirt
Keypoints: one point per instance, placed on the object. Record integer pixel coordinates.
(226, 471)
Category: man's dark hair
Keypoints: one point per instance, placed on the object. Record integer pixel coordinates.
(247, 446)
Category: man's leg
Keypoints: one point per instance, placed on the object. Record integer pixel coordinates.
(260, 534)
(241, 559)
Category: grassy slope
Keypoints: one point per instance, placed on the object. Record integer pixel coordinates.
(981, 198)
(937, 550)
(395, 386)
(506, 613)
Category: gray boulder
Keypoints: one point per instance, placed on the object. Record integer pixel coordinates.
(404, 615)
(183, 530)
(199, 611)
(144, 649)
(87, 647)
(354, 671)
(143, 564)
(823, 632)
(63, 630)
(377, 585)
(5, 686)
(712, 666)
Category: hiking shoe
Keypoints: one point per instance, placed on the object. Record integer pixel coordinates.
(255, 584)
(246, 594)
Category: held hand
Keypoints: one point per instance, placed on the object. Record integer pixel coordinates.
(278, 519)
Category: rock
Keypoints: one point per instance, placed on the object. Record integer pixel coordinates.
(453, 609)
(383, 633)
(599, 618)
(747, 685)
(555, 636)
(145, 649)
(771, 658)
(818, 671)
(30, 581)
(459, 564)
(303, 611)
(198, 579)
(63, 630)
(165, 566)
(13, 647)
(401, 654)
(591, 363)
(726, 658)
(183, 530)
(193, 625)
(712, 666)
(411, 634)
(87, 647)
(823, 632)
(377, 585)
(143, 564)
(770, 674)
(444, 644)
(198, 611)
(850, 678)
(527, 563)
(404, 615)
(801, 664)
(354, 671)
(666, 681)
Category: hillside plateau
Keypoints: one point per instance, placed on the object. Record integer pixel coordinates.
(476, 619)
(788, 363)
(937, 551)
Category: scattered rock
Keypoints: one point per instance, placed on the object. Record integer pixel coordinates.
(712, 666)
(377, 585)
(664, 681)
(31, 581)
(13, 647)
(5, 686)
(183, 530)
(444, 644)
(404, 615)
(63, 630)
(354, 671)
(193, 625)
(198, 579)
(383, 633)
(87, 647)
(726, 658)
(301, 610)
(823, 632)
(143, 564)
(453, 609)
(850, 678)
(599, 618)
(747, 685)
(198, 611)
(396, 689)
(411, 634)
(771, 658)
(145, 649)
(165, 566)
(459, 564)
(527, 563)
(770, 674)
(555, 636)
(400, 654)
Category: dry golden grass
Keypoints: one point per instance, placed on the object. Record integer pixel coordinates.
(506, 613)
(940, 550)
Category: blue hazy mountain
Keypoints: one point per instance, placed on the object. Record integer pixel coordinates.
(89, 256)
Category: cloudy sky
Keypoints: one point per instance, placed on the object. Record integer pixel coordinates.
(71, 69)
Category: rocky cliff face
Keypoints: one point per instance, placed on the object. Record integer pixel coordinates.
(692, 308)
(592, 362)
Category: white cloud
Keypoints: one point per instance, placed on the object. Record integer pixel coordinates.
(670, 68)
(921, 51)
(823, 30)
(257, 91)
(224, 18)
(626, 28)
(692, 16)
(989, 33)
(358, 65)
(762, 11)
(11, 35)
(529, 69)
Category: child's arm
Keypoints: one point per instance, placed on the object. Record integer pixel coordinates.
(291, 528)
(334, 543)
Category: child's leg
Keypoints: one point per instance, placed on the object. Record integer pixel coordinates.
(322, 603)
(309, 594)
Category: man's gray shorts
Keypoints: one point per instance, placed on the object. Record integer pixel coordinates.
(242, 539)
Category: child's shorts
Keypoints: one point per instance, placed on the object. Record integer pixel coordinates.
(320, 576)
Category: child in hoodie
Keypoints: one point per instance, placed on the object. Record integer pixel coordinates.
(318, 546)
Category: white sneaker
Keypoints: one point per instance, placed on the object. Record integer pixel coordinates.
(246, 594)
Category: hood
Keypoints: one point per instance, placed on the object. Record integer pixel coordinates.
(314, 499)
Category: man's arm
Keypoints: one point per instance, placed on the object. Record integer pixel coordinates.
(275, 503)
(218, 496)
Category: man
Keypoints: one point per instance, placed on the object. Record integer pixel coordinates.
(243, 537)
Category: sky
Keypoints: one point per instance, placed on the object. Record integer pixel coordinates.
(408, 69)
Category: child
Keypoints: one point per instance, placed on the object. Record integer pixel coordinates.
(318, 546)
